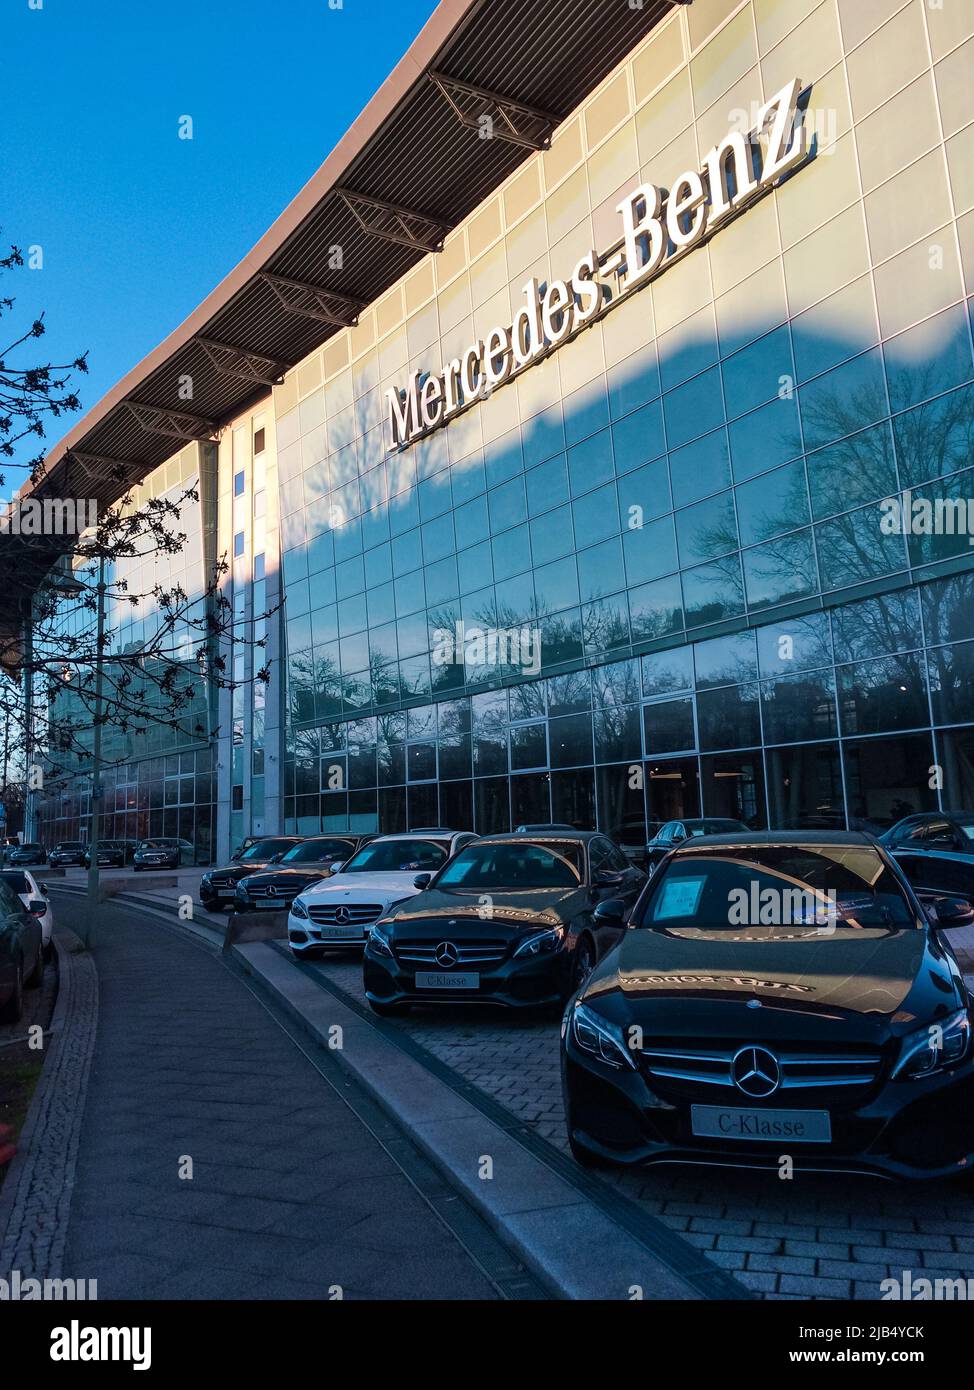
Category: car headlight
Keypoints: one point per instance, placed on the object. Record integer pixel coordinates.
(299, 910)
(600, 1038)
(379, 940)
(934, 1048)
(541, 943)
(207, 879)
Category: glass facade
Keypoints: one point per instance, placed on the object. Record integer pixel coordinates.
(682, 512)
(156, 779)
(684, 501)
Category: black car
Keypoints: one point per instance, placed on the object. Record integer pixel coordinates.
(27, 854)
(308, 862)
(67, 852)
(673, 832)
(218, 887)
(776, 994)
(163, 852)
(951, 831)
(111, 855)
(21, 951)
(509, 920)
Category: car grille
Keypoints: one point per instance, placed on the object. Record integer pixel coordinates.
(470, 953)
(222, 883)
(800, 1069)
(358, 913)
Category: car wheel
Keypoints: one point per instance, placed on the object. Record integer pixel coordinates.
(14, 1007)
(36, 976)
(584, 960)
(387, 1010)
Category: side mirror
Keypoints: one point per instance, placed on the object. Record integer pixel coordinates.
(951, 912)
(422, 881)
(275, 859)
(37, 907)
(610, 913)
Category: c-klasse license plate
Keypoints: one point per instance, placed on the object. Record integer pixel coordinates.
(802, 1126)
(447, 979)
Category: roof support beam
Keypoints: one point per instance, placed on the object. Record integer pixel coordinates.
(493, 116)
(314, 302)
(242, 363)
(404, 226)
(100, 468)
(176, 424)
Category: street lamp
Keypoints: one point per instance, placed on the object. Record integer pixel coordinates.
(71, 587)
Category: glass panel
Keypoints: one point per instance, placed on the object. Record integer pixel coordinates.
(672, 789)
(888, 778)
(799, 707)
(890, 693)
(805, 787)
(728, 717)
(669, 726)
(733, 786)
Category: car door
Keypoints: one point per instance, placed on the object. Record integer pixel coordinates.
(24, 937)
(939, 871)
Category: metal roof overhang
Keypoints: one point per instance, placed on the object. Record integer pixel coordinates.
(409, 168)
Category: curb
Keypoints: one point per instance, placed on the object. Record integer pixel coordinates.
(35, 1199)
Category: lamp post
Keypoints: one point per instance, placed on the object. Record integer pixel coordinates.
(96, 787)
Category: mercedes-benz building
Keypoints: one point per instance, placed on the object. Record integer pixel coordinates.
(595, 432)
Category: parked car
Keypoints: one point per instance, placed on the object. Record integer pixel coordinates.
(30, 892)
(933, 872)
(67, 852)
(631, 836)
(245, 844)
(339, 912)
(673, 832)
(21, 952)
(933, 830)
(309, 862)
(111, 854)
(163, 852)
(510, 920)
(218, 887)
(781, 992)
(30, 853)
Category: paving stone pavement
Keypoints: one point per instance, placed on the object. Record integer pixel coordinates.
(807, 1237)
(291, 1194)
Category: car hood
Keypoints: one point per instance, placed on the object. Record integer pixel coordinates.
(293, 877)
(238, 871)
(366, 887)
(480, 910)
(876, 981)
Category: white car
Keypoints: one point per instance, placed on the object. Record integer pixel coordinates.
(29, 891)
(339, 911)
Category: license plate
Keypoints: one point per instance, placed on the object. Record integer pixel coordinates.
(225, 892)
(346, 933)
(447, 979)
(776, 1126)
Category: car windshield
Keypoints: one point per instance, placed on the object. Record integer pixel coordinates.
(967, 828)
(18, 882)
(30, 847)
(70, 844)
(397, 856)
(266, 849)
(820, 887)
(157, 844)
(315, 851)
(514, 866)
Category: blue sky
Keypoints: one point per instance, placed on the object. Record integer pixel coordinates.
(135, 224)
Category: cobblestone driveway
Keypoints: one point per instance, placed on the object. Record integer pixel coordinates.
(828, 1237)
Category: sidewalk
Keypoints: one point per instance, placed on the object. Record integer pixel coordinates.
(291, 1196)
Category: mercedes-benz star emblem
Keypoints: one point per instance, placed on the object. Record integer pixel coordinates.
(272, 890)
(342, 915)
(756, 1072)
(446, 954)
